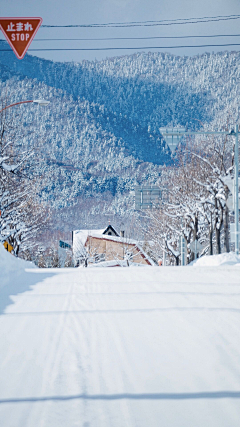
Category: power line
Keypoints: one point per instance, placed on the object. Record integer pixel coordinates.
(138, 38)
(181, 21)
(134, 38)
(128, 48)
(168, 20)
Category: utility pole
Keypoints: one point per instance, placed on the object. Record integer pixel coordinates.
(236, 192)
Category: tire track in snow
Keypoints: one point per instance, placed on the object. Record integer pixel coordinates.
(51, 366)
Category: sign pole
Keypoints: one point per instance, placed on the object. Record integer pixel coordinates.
(236, 192)
(183, 262)
(164, 258)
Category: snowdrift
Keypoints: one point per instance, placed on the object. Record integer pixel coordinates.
(10, 266)
(216, 260)
(115, 263)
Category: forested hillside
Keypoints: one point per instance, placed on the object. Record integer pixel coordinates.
(100, 135)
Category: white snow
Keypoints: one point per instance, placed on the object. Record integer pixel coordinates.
(11, 267)
(215, 260)
(80, 236)
(115, 263)
(120, 347)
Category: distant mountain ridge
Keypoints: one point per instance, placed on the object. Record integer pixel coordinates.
(101, 131)
(135, 95)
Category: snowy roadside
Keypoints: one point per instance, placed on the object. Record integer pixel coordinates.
(216, 260)
(16, 277)
(10, 266)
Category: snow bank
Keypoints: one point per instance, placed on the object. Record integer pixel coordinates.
(215, 260)
(116, 263)
(10, 265)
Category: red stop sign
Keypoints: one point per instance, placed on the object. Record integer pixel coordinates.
(19, 33)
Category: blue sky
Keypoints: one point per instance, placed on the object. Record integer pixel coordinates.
(72, 12)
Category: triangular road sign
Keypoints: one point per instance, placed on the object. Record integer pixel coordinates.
(195, 246)
(19, 33)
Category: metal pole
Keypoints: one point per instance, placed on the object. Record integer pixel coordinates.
(41, 102)
(236, 192)
(16, 103)
(182, 250)
(164, 258)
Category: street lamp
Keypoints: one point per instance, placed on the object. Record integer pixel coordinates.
(169, 138)
(41, 102)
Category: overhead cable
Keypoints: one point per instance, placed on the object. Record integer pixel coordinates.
(127, 48)
(134, 38)
(165, 22)
(138, 38)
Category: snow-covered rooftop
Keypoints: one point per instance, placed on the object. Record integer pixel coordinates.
(80, 237)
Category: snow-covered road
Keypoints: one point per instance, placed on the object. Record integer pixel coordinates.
(122, 347)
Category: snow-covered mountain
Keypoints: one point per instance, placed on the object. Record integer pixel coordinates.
(101, 132)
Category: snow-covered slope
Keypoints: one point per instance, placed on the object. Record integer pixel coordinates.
(101, 137)
(10, 266)
(122, 347)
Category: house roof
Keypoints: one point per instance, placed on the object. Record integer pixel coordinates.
(80, 238)
(82, 235)
(110, 229)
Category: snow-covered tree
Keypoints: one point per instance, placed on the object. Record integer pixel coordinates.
(22, 214)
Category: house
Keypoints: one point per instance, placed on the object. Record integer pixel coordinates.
(106, 247)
